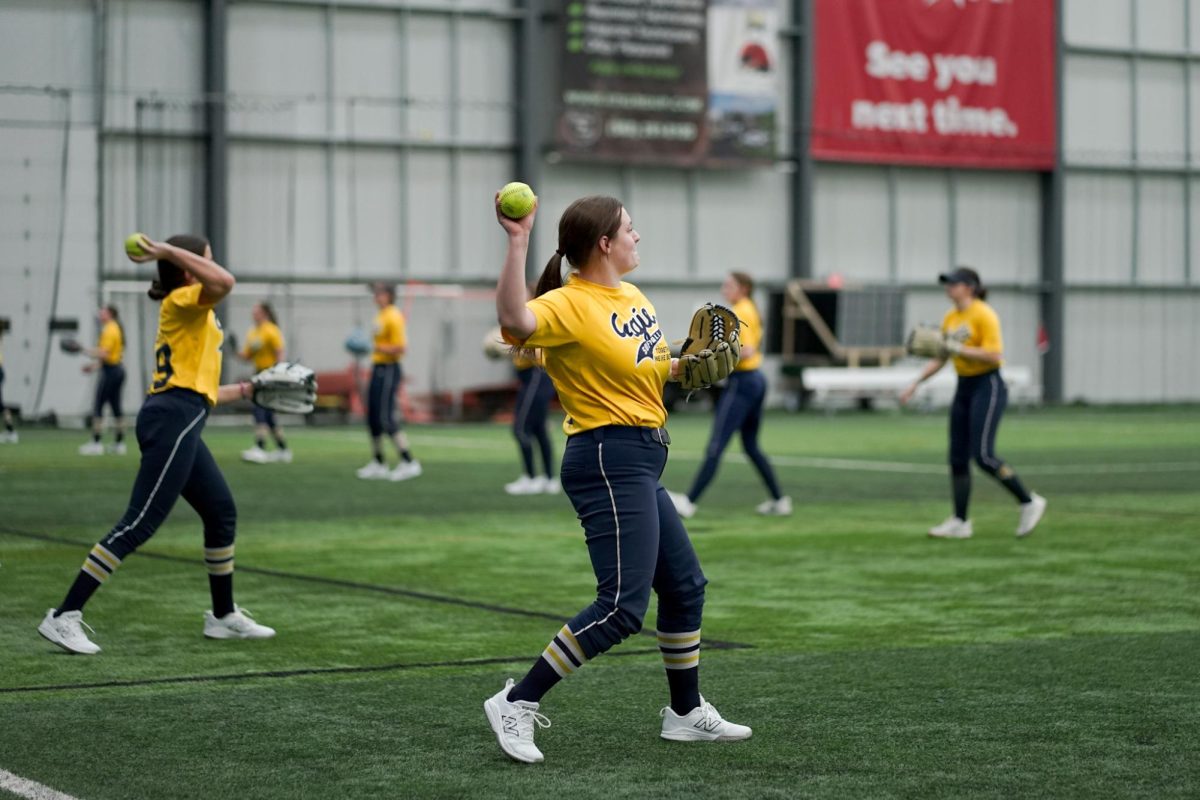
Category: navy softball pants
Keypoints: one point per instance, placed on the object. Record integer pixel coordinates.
(634, 537)
(108, 390)
(979, 403)
(529, 418)
(739, 410)
(176, 462)
(381, 399)
(264, 416)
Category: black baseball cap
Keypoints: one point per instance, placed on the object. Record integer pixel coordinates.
(960, 275)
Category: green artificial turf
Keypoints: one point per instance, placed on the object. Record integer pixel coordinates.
(870, 660)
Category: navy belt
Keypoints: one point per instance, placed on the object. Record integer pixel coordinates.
(657, 435)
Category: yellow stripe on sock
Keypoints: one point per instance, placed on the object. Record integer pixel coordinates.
(216, 553)
(679, 639)
(95, 571)
(573, 643)
(224, 568)
(102, 554)
(563, 663)
(687, 662)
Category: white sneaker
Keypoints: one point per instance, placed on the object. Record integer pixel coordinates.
(66, 631)
(776, 508)
(551, 486)
(237, 624)
(1031, 514)
(9, 437)
(91, 449)
(685, 507)
(406, 470)
(256, 455)
(374, 471)
(952, 528)
(118, 449)
(282, 456)
(703, 724)
(525, 485)
(513, 725)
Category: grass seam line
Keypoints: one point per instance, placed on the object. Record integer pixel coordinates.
(365, 587)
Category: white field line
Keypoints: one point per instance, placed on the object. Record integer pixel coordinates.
(845, 464)
(31, 789)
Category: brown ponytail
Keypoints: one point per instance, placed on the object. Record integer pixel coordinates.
(269, 312)
(171, 276)
(977, 287)
(581, 226)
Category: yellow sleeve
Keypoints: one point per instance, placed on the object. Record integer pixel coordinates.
(989, 332)
(400, 330)
(275, 339)
(556, 321)
(110, 338)
(187, 299)
(946, 321)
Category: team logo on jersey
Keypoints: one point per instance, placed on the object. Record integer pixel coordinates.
(641, 325)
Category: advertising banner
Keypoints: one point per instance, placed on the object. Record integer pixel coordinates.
(679, 82)
(935, 82)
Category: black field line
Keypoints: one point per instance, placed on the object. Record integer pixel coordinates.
(297, 673)
(364, 587)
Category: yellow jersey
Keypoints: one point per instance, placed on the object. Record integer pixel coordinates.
(389, 331)
(263, 345)
(977, 326)
(112, 342)
(187, 349)
(524, 359)
(605, 354)
(750, 332)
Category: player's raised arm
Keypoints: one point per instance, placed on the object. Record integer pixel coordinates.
(217, 282)
(511, 312)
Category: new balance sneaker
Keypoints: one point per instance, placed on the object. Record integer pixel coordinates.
(406, 470)
(282, 456)
(91, 449)
(526, 485)
(66, 631)
(118, 449)
(952, 528)
(776, 508)
(702, 724)
(1031, 514)
(374, 471)
(256, 455)
(685, 507)
(237, 624)
(513, 725)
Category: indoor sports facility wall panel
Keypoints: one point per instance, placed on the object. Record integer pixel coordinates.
(1097, 23)
(997, 225)
(923, 223)
(851, 222)
(1097, 107)
(1161, 113)
(1098, 235)
(46, 43)
(658, 202)
(741, 223)
(1161, 253)
(152, 46)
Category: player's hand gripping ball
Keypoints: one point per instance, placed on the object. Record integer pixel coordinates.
(133, 244)
(517, 200)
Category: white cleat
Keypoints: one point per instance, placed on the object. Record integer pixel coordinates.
(1031, 514)
(703, 724)
(406, 470)
(282, 456)
(513, 725)
(526, 485)
(91, 449)
(952, 528)
(237, 624)
(66, 631)
(375, 471)
(551, 485)
(118, 449)
(776, 508)
(9, 437)
(256, 455)
(685, 507)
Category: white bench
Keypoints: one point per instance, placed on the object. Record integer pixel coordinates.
(831, 387)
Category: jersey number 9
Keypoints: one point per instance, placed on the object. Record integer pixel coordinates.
(162, 366)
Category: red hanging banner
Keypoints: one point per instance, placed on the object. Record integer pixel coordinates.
(935, 82)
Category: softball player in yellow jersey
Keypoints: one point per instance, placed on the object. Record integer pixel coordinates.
(108, 354)
(175, 461)
(740, 408)
(391, 342)
(979, 403)
(264, 347)
(608, 359)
